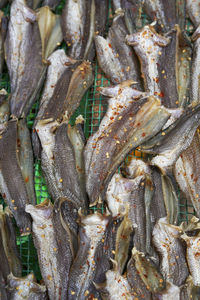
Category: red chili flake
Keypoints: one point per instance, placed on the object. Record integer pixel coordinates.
(138, 124)
(110, 45)
(145, 276)
(156, 79)
(143, 134)
(111, 118)
(93, 147)
(33, 130)
(192, 176)
(37, 130)
(4, 195)
(27, 179)
(195, 179)
(161, 94)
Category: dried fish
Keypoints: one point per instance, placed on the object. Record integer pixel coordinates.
(8, 238)
(175, 139)
(194, 88)
(52, 240)
(13, 188)
(189, 290)
(24, 54)
(166, 239)
(171, 292)
(83, 269)
(193, 10)
(122, 129)
(115, 57)
(116, 285)
(25, 156)
(193, 252)
(51, 3)
(4, 108)
(3, 30)
(186, 171)
(148, 272)
(21, 288)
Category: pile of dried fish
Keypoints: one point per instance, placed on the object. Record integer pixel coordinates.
(135, 249)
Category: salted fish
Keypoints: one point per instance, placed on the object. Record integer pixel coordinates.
(166, 239)
(82, 273)
(107, 148)
(194, 88)
(27, 288)
(193, 10)
(171, 292)
(52, 240)
(27, 31)
(3, 30)
(115, 57)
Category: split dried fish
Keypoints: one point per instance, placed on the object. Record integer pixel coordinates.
(91, 233)
(115, 57)
(166, 239)
(148, 272)
(116, 286)
(8, 238)
(193, 10)
(3, 30)
(189, 290)
(13, 189)
(122, 129)
(149, 45)
(171, 292)
(25, 288)
(4, 108)
(194, 88)
(25, 156)
(28, 42)
(186, 171)
(193, 252)
(53, 243)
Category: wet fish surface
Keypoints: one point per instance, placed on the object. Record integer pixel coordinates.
(120, 131)
(48, 232)
(166, 239)
(13, 189)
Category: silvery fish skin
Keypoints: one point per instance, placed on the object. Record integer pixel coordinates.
(186, 171)
(82, 78)
(59, 63)
(78, 26)
(8, 237)
(82, 272)
(171, 292)
(194, 88)
(27, 288)
(120, 131)
(166, 239)
(116, 286)
(136, 283)
(45, 34)
(25, 156)
(101, 15)
(14, 192)
(3, 29)
(193, 10)
(23, 35)
(115, 57)
(193, 252)
(176, 139)
(164, 12)
(148, 272)
(189, 290)
(149, 45)
(53, 243)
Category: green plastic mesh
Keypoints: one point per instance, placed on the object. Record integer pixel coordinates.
(92, 108)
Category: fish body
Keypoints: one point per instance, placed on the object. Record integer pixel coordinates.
(83, 270)
(193, 256)
(193, 11)
(120, 131)
(166, 239)
(51, 3)
(21, 288)
(116, 58)
(186, 172)
(25, 156)
(171, 292)
(4, 108)
(52, 241)
(149, 45)
(194, 87)
(3, 30)
(13, 189)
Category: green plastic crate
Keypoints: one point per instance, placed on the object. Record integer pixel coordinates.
(92, 107)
